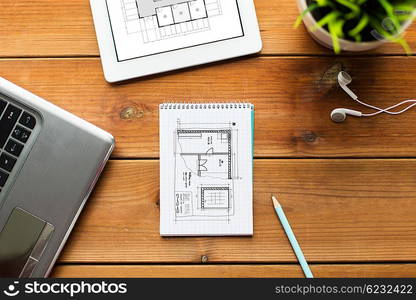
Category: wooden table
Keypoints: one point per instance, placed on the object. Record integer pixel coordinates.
(348, 189)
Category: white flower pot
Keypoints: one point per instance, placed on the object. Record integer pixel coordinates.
(323, 37)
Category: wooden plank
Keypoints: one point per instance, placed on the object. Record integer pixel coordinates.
(341, 211)
(292, 112)
(65, 28)
(234, 271)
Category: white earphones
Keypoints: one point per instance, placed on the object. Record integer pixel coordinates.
(340, 114)
(345, 79)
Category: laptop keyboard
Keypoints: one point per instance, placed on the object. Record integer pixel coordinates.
(16, 126)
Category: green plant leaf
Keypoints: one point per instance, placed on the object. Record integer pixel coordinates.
(405, 11)
(397, 39)
(356, 19)
(390, 13)
(335, 40)
(405, 46)
(323, 3)
(304, 13)
(363, 22)
(325, 20)
(351, 5)
(338, 26)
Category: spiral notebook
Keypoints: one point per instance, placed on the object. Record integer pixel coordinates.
(206, 169)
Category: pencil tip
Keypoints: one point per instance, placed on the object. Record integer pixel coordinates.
(275, 202)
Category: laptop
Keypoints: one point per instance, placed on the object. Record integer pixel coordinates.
(50, 161)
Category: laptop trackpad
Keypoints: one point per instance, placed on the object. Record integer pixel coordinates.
(22, 242)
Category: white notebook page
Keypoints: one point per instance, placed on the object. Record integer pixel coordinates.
(206, 169)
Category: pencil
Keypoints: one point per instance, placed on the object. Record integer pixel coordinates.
(292, 238)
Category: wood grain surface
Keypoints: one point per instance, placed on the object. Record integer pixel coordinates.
(293, 97)
(233, 271)
(50, 28)
(348, 189)
(340, 210)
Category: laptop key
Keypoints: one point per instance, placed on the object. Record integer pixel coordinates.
(28, 120)
(2, 106)
(7, 162)
(21, 134)
(14, 148)
(3, 178)
(7, 122)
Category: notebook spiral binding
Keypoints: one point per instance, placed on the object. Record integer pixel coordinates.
(236, 105)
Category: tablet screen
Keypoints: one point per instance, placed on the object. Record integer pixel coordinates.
(147, 27)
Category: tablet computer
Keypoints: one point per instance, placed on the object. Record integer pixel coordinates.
(144, 37)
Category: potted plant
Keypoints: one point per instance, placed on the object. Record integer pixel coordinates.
(357, 25)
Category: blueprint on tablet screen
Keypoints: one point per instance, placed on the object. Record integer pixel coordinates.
(146, 27)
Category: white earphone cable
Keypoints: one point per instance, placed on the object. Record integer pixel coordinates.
(387, 110)
(339, 115)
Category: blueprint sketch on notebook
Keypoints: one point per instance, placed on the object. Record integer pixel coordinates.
(206, 168)
(147, 27)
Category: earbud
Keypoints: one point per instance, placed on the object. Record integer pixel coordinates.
(345, 79)
(340, 114)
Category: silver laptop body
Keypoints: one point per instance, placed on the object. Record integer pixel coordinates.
(49, 163)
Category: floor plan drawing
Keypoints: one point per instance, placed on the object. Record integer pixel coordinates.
(146, 27)
(157, 20)
(206, 168)
(215, 197)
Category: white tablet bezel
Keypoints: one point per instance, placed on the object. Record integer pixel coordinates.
(117, 71)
